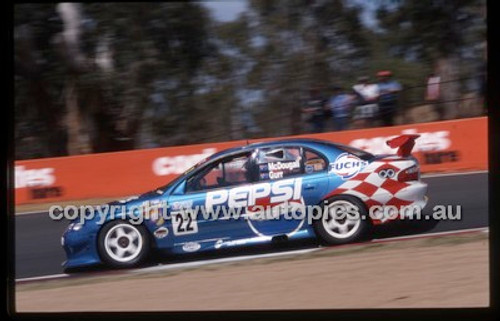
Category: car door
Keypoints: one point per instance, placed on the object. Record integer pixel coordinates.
(301, 170)
(207, 190)
(281, 168)
(315, 180)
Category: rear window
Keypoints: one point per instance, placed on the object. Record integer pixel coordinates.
(313, 162)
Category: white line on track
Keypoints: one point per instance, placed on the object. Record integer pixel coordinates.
(258, 256)
(218, 261)
(44, 278)
(31, 212)
(423, 235)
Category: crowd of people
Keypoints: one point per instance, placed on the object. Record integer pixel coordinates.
(357, 107)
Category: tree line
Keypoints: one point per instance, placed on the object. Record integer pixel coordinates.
(100, 77)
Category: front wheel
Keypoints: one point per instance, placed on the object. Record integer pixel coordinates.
(344, 220)
(122, 244)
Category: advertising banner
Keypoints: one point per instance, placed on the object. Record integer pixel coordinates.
(447, 146)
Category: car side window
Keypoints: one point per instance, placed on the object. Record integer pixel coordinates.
(279, 162)
(313, 162)
(227, 172)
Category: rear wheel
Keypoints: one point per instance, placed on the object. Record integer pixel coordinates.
(122, 244)
(345, 220)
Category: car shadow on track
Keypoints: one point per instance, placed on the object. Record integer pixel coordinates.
(403, 228)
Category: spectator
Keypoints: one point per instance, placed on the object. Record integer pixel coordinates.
(367, 91)
(315, 108)
(366, 106)
(388, 97)
(433, 93)
(340, 105)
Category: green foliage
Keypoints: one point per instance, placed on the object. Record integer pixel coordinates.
(430, 29)
(176, 76)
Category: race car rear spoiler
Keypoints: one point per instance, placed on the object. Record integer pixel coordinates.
(405, 144)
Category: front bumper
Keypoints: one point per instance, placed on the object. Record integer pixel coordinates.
(81, 248)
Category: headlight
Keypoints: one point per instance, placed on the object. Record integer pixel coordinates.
(75, 226)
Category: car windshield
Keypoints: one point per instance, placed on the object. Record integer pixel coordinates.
(160, 190)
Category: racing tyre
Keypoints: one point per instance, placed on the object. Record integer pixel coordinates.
(122, 244)
(340, 224)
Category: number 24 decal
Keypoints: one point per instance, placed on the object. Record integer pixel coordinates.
(183, 223)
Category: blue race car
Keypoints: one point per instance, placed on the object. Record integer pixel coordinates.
(254, 194)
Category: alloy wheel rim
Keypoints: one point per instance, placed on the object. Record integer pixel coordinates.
(342, 219)
(123, 242)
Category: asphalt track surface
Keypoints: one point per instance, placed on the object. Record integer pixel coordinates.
(38, 251)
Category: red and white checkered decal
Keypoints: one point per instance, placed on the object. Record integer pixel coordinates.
(373, 189)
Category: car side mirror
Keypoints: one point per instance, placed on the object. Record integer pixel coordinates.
(180, 189)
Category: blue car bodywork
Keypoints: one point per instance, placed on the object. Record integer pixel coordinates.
(301, 170)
